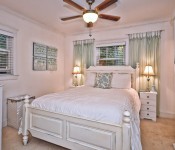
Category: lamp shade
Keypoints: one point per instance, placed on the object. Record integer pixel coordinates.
(90, 16)
(148, 71)
(76, 70)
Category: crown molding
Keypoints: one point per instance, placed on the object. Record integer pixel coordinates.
(30, 20)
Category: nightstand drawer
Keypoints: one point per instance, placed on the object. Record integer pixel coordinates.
(148, 108)
(147, 95)
(148, 102)
(148, 115)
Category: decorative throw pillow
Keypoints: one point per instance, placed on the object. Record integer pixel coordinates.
(103, 80)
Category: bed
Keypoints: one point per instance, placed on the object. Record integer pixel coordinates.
(87, 118)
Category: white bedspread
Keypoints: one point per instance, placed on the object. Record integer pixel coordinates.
(103, 105)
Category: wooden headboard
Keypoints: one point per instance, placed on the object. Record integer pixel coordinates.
(119, 69)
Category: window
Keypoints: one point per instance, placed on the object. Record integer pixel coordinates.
(6, 53)
(111, 55)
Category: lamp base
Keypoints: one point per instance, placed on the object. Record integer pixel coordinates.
(147, 90)
(75, 83)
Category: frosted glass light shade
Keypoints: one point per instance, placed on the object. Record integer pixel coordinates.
(148, 70)
(90, 16)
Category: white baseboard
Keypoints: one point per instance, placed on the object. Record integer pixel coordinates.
(167, 115)
(4, 123)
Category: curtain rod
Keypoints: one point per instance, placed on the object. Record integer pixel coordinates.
(84, 40)
(113, 39)
(146, 32)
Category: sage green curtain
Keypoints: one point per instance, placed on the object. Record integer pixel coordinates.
(145, 49)
(83, 56)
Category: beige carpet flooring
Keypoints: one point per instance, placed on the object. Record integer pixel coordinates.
(158, 135)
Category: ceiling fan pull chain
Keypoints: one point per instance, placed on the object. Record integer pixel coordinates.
(90, 32)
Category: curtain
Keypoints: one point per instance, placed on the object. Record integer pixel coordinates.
(145, 49)
(83, 56)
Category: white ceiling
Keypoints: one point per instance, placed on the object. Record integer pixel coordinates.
(49, 12)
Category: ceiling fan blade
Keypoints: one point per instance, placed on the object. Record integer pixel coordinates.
(105, 4)
(69, 18)
(70, 2)
(90, 25)
(109, 17)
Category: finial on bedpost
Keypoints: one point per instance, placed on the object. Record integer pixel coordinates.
(126, 131)
(25, 120)
(26, 101)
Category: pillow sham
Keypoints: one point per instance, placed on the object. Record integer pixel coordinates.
(90, 79)
(103, 80)
(121, 81)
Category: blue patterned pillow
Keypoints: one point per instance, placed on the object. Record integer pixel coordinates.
(103, 80)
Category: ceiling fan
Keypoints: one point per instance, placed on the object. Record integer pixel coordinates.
(91, 15)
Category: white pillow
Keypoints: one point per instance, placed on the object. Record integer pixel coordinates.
(121, 81)
(90, 78)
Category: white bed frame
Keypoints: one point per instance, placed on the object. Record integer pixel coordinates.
(77, 133)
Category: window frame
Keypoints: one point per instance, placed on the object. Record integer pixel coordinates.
(13, 33)
(113, 43)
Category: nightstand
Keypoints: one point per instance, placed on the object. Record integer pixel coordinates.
(148, 107)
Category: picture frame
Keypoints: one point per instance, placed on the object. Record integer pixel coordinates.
(44, 57)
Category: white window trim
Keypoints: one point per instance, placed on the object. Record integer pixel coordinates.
(111, 43)
(11, 32)
(8, 77)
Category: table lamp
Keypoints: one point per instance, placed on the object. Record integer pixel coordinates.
(75, 72)
(148, 72)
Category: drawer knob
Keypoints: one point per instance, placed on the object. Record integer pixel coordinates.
(147, 114)
(147, 102)
(147, 96)
(147, 108)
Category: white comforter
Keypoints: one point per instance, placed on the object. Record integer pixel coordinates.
(103, 105)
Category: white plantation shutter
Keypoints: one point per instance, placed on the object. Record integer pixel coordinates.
(111, 55)
(6, 53)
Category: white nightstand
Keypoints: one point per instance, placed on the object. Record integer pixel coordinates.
(148, 107)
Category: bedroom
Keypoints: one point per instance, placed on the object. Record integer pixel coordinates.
(39, 21)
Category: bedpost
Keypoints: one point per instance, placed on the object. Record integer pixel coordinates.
(25, 120)
(126, 131)
(137, 77)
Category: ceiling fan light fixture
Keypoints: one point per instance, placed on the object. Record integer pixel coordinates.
(90, 16)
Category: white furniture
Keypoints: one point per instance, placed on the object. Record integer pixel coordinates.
(0, 117)
(77, 133)
(148, 107)
(14, 110)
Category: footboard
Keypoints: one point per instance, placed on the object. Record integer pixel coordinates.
(75, 133)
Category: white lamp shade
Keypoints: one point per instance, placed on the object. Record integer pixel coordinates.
(76, 70)
(148, 70)
(90, 17)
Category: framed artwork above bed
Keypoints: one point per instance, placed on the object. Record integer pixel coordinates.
(44, 57)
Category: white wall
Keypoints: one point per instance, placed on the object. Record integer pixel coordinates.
(167, 101)
(31, 82)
